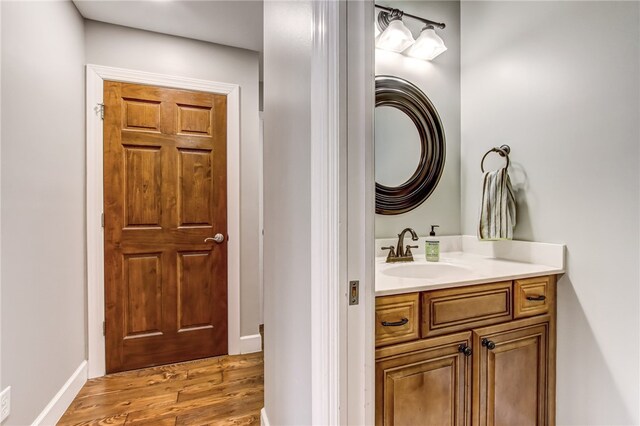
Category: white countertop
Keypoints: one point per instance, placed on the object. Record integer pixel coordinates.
(455, 269)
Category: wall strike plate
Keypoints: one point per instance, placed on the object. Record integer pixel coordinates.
(354, 292)
(5, 403)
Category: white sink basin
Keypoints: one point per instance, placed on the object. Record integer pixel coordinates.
(433, 270)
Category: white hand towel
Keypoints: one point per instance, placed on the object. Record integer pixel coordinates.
(498, 207)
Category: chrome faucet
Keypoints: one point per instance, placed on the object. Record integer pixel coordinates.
(401, 253)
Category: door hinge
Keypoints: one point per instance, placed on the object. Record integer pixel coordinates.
(102, 219)
(100, 110)
(104, 328)
(354, 292)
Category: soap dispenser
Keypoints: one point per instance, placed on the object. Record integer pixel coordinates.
(432, 246)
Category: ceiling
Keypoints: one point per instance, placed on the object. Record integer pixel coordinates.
(232, 23)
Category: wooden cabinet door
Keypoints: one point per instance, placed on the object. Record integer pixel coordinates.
(512, 373)
(164, 197)
(422, 383)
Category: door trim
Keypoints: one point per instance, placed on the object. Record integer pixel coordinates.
(328, 310)
(342, 213)
(95, 76)
(361, 211)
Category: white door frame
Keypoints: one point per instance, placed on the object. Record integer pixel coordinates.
(261, 215)
(95, 76)
(342, 213)
(360, 184)
(329, 302)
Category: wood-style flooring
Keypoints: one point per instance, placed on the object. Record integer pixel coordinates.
(225, 390)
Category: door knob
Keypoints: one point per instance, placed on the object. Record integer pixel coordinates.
(218, 238)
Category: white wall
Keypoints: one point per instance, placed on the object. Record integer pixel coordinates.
(440, 81)
(43, 259)
(559, 82)
(287, 212)
(123, 47)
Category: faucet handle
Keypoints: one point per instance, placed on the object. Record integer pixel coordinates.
(392, 251)
(407, 251)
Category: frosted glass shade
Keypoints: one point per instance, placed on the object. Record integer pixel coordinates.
(396, 37)
(427, 46)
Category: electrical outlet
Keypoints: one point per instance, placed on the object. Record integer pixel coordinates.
(5, 403)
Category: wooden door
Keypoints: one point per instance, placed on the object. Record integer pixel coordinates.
(424, 383)
(164, 194)
(511, 373)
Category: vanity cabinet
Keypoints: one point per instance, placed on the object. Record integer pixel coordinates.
(485, 356)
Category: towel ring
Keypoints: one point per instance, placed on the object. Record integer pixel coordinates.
(503, 150)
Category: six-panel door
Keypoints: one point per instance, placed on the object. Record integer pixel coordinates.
(164, 194)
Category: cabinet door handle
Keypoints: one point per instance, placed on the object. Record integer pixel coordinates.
(403, 321)
(536, 297)
(488, 344)
(465, 350)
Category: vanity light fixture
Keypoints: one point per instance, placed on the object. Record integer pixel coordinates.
(428, 45)
(396, 36)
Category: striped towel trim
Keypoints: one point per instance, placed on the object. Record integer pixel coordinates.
(498, 207)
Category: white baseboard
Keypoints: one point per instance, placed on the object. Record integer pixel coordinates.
(264, 420)
(250, 344)
(63, 399)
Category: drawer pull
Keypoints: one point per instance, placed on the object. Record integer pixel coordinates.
(403, 321)
(488, 344)
(465, 350)
(536, 298)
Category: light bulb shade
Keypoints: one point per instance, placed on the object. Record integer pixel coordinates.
(427, 46)
(396, 37)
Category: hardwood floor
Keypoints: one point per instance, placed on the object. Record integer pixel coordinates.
(225, 390)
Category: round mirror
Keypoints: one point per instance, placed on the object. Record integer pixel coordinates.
(397, 146)
(407, 169)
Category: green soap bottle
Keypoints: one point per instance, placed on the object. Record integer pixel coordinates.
(432, 246)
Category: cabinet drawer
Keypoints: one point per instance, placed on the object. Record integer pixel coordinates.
(532, 296)
(449, 310)
(397, 318)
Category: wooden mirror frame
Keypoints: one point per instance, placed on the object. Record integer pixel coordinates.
(408, 98)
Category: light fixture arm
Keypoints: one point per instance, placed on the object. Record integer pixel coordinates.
(385, 17)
